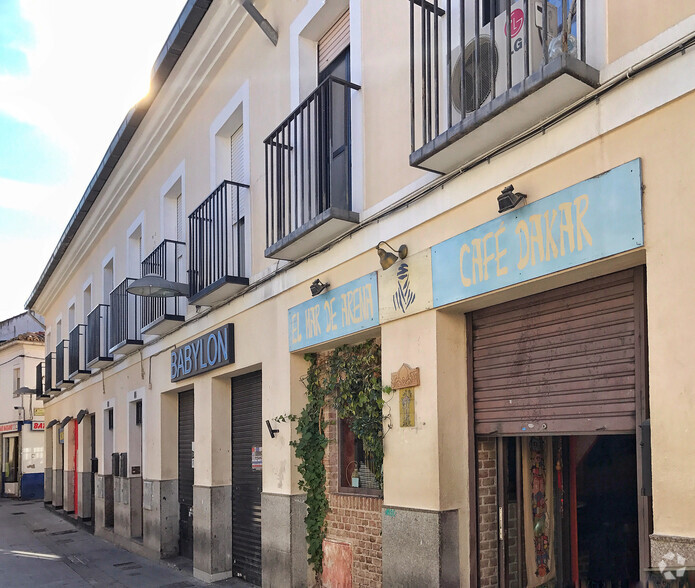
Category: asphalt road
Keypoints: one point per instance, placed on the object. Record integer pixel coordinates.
(40, 549)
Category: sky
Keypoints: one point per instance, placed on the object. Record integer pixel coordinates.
(70, 70)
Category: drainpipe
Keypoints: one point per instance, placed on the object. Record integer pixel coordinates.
(266, 27)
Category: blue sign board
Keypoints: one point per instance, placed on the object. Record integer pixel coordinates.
(593, 219)
(347, 309)
(203, 354)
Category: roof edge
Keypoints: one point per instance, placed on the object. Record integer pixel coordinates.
(179, 37)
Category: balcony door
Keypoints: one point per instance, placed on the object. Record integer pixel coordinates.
(336, 132)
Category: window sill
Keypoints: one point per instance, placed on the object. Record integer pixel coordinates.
(365, 492)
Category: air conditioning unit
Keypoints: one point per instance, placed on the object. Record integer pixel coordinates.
(492, 60)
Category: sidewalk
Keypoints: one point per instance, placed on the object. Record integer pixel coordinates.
(39, 548)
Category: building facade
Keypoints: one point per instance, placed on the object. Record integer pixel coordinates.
(486, 197)
(21, 411)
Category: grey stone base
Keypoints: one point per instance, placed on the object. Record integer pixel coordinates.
(212, 531)
(48, 485)
(160, 516)
(103, 501)
(127, 507)
(419, 548)
(57, 488)
(85, 508)
(69, 490)
(283, 540)
(663, 545)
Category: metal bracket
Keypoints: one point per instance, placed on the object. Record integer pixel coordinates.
(266, 27)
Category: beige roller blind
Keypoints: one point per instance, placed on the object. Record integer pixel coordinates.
(334, 41)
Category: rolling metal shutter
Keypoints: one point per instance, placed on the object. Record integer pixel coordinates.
(247, 482)
(186, 431)
(561, 362)
(334, 41)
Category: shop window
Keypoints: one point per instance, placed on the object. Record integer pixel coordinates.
(356, 471)
(11, 459)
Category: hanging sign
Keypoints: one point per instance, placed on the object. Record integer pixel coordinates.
(593, 219)
(347, 309)
(12, 427)
(38, 426)
(203, 354)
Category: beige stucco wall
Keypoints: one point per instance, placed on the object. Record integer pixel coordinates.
(629, 23)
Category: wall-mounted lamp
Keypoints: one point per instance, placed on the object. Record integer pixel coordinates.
(24, 390)
(157, 287)
(272, 431)
(317, 286)
(65, 421)
(387, 259)
(80, 415)
(52, 423)
(508, 199)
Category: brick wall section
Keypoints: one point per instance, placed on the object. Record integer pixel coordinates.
(353, 519)
(487, 511)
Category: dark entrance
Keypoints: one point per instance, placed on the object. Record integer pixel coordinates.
(559, 393)
(94, 464)
(568, 508)
(186, 474)
(247, 482)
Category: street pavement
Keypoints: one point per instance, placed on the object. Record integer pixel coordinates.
(38, 548)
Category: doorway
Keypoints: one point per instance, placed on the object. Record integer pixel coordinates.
(567, 510)
(186, 467)
(247, 477)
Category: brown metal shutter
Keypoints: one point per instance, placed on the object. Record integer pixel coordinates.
(334, 41)
(247, 482)
(560, 362)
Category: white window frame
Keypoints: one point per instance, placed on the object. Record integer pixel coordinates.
(173, 187)
(111, 257)
(305, 31)
(235, 114)
(137, 225)
(88, 284)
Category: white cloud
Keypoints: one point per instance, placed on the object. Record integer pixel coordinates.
(89, 62)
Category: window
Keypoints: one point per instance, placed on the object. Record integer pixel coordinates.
(138, 413)
(355, 469)
(71, 318)
(134, 252)
(110, 419)
(16, 380)
(107, 281)
(87, 302)
(59, 330)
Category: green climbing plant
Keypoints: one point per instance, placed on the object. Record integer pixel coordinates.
(349, 379)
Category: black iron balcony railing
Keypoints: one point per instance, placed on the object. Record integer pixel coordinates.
(217, 233)
(77, 361)
(307, 162)
(49, 382)
(39, 379)
(98, 336)
(472, 59)
(124, 320)
(62, 367)
(166, 261)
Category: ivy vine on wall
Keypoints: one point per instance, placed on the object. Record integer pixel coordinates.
(349, 379)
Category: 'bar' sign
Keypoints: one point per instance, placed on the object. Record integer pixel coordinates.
(207, 352)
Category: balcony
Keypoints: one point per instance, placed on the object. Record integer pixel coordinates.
(464, 103)
(98, 355)
(39, 379)
(124, 320)
(163, 315)
(308, 174)
(63, 381)
(217, 251)
(49, 383)
(78, 353)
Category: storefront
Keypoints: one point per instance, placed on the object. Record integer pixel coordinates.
(558, 402)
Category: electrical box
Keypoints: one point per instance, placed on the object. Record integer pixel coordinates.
(115, 462)
(95, 465)
(123, 469)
